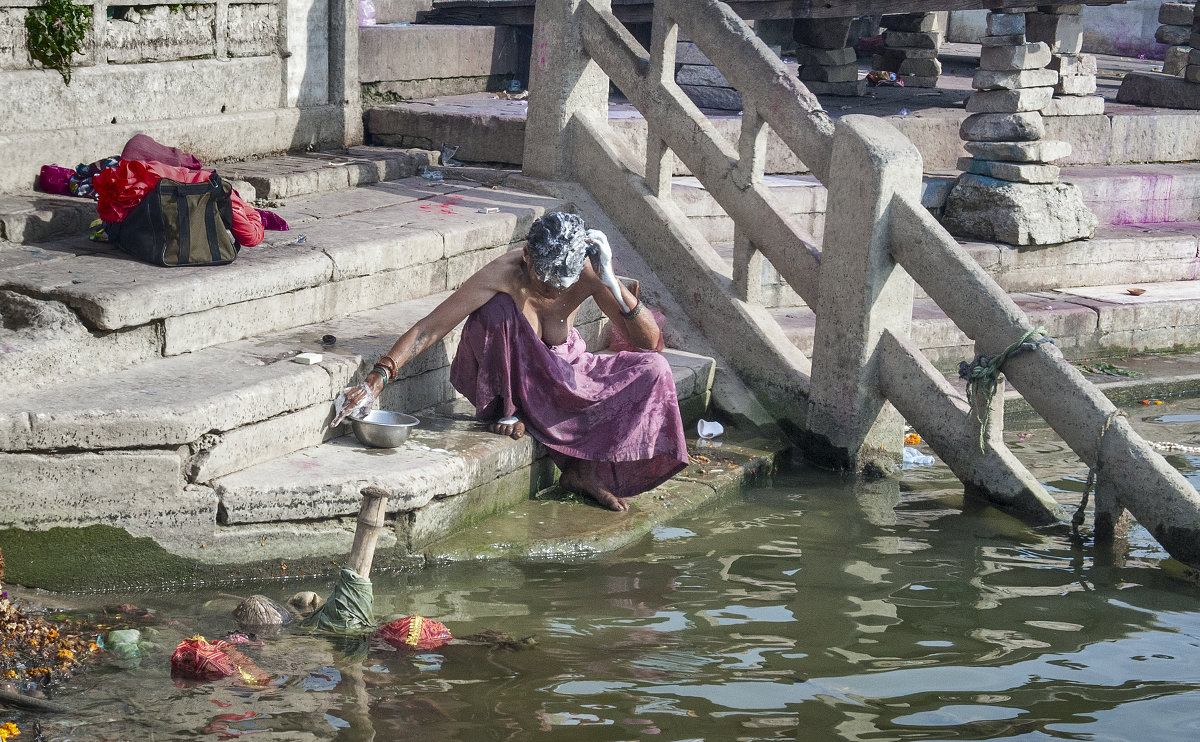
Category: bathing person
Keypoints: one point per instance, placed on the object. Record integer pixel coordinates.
(610, 422)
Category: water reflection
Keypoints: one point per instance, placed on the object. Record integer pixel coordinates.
(818, 609)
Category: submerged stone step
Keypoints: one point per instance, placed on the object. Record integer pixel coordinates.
(557, 527)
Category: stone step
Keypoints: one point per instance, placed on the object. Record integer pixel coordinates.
(403, 61)
(186, 420)
(489, 129)
(85, 304)
(31, 217)
(447, 455)
(1144, 254)
(1086, 322)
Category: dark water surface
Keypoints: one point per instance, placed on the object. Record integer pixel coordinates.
(813, 610)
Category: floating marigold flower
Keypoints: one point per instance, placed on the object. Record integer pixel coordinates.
(8, 729)
(912, 439)
(66, 654)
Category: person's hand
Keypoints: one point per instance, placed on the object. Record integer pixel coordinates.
(602, 255)
(356, 401)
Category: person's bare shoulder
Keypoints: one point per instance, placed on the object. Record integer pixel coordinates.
(503, 273)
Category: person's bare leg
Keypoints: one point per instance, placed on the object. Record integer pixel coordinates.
(580, 477)
(512, 430)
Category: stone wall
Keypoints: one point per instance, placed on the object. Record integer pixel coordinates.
(220, 78)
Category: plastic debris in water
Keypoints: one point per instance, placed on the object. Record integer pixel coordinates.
(913, 457)
(514, 86)
(428, 174)
(301, 239)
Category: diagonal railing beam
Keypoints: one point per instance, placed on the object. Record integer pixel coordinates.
(1155, 493)
(944, 420)
(672, 116)
(791, 109)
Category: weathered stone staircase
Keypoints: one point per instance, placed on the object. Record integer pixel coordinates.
(158, 410)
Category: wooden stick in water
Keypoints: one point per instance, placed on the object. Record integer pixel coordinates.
(370, 522)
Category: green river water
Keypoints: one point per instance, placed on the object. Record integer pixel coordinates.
(811, 610)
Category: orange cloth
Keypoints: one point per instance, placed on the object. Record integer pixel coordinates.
(122, 187)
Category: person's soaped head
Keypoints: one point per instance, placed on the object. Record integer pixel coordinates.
(557, 248)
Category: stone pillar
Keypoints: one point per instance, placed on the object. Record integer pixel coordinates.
(1175, 32)
(827, 65)
(564, 82)
(1009, 191)
(1191, 73)
(863, 293)
(911, 44)
(1060, 27)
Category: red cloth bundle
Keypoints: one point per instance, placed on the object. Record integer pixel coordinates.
(199, 659)
(414, 632)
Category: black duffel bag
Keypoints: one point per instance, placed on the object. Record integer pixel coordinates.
(180, 224)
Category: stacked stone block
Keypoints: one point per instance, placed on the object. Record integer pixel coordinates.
(1060, 27)
(911, 44)
(1175, 32)
(1005, 129)
(828, 66)
(1191, 73)
(1009, 190)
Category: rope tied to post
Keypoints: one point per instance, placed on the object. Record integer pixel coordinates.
(982, 375)
(1077, 518)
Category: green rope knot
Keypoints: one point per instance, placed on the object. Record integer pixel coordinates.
(983, 375)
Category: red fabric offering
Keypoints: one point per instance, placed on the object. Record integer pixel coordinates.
(414, 632)
(122, 187)
(199, 659)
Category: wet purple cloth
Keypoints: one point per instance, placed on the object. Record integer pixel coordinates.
(619, 410)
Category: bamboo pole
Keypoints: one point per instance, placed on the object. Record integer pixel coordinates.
(370, 522)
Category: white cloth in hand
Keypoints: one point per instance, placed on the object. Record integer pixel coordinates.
(599, 241)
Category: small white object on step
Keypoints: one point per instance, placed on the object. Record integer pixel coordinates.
(308, 359)
(707, 429)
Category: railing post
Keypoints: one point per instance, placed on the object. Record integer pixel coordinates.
(752, 155)
(862, 293)
(564, 82)
(660, 162)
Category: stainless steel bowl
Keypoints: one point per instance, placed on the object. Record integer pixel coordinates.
(383, 428)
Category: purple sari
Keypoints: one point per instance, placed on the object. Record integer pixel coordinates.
(618, 410)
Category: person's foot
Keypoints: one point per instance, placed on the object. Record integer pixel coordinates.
(512, 430)
(581, 479)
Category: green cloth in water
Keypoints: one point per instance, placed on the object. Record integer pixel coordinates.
(350, 608)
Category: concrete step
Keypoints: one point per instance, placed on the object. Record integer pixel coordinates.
(489, 129)
(1143, 254)
(404, 61)
(82, 303)
(31, 217)
(1086, 322)
(449, 454)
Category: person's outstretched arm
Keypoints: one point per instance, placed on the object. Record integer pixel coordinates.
(474, 293)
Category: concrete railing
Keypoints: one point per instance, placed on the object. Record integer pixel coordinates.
(848, 405)
(219, 78)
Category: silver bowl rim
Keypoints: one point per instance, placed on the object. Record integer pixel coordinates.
(405, 420)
